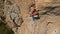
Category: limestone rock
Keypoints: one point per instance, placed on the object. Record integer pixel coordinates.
(16, 13)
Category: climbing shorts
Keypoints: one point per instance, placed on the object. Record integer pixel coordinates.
(35, 17)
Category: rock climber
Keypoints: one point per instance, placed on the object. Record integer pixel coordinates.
(33, 12)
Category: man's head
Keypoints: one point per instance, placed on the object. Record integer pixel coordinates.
(33, 5)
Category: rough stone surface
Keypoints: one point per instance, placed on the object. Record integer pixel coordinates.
(16, 13)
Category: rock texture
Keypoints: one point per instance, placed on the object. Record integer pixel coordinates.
(16, 13)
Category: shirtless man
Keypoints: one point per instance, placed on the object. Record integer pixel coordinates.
(33, 13)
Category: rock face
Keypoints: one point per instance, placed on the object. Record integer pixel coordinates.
(10, 14)
(16, 13)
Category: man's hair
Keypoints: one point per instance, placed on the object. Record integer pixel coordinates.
(32, 5)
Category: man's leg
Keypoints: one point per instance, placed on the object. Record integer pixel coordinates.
(33, 18)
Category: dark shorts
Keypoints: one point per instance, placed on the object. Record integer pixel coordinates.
(35, 17)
